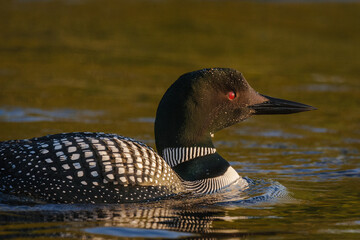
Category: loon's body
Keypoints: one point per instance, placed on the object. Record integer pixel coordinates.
(85, 167)
(107, 168)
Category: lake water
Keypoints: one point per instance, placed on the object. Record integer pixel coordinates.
(103, 66)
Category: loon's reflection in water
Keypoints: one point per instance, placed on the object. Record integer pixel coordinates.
(190, 214)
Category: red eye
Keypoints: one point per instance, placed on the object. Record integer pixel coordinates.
(231, 95)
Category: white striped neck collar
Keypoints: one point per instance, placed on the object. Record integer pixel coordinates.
(175, 156)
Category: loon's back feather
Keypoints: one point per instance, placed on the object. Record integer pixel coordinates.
(61, 167)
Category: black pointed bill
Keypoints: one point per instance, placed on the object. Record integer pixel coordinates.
(279, 106)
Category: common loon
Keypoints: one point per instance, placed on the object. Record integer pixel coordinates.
(85, 167)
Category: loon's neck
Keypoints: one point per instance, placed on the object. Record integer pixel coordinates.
(189, 151)
(202, 169)
(181, 119)
(177, 155)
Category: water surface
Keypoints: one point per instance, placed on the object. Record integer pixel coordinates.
(104, 65)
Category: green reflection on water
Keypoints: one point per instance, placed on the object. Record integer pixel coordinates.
(120, 56)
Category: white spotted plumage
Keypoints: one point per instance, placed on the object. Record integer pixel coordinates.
(76, 163)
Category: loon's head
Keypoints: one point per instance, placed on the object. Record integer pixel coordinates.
(202, 102)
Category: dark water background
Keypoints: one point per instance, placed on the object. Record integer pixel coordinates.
(104, 65)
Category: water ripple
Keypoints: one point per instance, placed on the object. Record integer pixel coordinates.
(18, 114)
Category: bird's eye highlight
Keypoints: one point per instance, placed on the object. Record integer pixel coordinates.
(231, 95)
